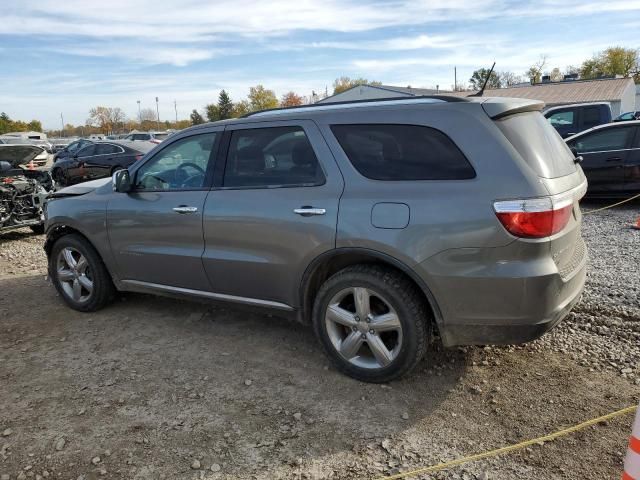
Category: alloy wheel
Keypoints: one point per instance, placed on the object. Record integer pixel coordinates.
(74, 274)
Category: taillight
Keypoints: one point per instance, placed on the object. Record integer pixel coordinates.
(538, 217)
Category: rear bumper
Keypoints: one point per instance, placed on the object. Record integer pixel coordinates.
(493, 301)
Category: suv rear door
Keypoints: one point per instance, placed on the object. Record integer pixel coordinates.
(273, 209)
(632, 165)
(604, 152)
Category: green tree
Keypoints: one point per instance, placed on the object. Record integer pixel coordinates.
(241, 108)
(212, 112)
(478, 78)
(225, 105)
(196, 118)
(291, 99)
(262, 99)
(613, 61)
(345, 83)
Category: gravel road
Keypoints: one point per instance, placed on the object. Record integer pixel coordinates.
(154, 388)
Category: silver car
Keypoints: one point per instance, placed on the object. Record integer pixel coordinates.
(379, 223)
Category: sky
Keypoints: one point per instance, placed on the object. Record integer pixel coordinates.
(67, 56)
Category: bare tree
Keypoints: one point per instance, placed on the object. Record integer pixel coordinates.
(509, 79)
(535, 71)
(148, 114)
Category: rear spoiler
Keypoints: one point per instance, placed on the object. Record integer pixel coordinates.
(498, 107)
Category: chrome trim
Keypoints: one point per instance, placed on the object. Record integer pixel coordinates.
(210, 295)
(307, 212)
(342, 106)
(610, 151)
(185, 209)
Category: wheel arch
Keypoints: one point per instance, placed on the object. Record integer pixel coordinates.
(328, 263)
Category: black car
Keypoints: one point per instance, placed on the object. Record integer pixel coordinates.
(98, 160)
(71, 149)
(569, 120)
(611, 158)
(627, 116)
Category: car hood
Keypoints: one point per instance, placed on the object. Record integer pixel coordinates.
(19, 154)
(82, 188)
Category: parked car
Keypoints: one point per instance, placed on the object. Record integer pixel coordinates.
(98, 160)
(627, 116)
(42, 156)
(60, 143)
(611, 158)
(154, 137)
(22, 191)
(571, 119)
(374, 221)
(71, 149)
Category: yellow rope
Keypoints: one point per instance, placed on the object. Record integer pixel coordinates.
(510, 448)
(611, 206)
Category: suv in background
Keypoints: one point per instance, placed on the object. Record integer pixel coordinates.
(154, 137)
(571, 119)
(377, 222)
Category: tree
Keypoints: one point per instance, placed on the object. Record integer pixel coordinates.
(148, 114)
(225, 105)
(613, 61)
(100, 117)
(241, 108)
(196, 118)
(509, 79)
(479, 76)
(535, 71)
(291, 99)
(212, 111)
(345, 83)
(262, 99)
(556, 75)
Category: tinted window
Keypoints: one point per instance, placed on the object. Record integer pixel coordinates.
(86, 151)
(180, 166)
(271, 157)
(563, 118)
(106, 149)
(402, 152)
(609, 139)
(590, 117)
(141, 136)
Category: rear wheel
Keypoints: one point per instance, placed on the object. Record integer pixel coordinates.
(372, 322)
(79, 275)
(37, 229)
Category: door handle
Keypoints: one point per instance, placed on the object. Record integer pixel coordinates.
(309, 211)
(185, 209)
(614, 159)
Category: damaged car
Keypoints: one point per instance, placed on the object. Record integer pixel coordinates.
(22, 191)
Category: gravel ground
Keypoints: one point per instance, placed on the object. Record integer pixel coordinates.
(160, 388)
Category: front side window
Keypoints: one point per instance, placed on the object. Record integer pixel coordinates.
(603, 140)
(271, 157)
(182, 165)
(402, 152)
(561, 119)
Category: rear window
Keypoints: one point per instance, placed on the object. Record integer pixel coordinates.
(402, 152)
(538, 144)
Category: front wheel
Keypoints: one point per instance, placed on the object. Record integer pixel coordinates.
(372, 322)
(77, 272)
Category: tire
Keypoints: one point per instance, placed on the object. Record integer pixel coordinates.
(37, 229)
(389, 295)
(115, 169)
(92, 271)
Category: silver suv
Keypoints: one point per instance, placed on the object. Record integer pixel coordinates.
(379, 223)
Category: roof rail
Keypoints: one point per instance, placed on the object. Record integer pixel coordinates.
(365, 102)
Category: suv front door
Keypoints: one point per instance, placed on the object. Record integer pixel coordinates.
(272, 211)
(156, 230)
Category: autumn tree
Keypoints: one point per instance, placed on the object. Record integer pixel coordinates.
(345, 83)
(262, 99)
(7, 125)
(196, 118)
(479, 76)
(613, 61)
(291, 99)
(225, 105)
(535, 71)
(241, 108)
(148, 115)
(100, 117)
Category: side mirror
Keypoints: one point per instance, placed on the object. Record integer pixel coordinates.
(121, 181)
(576, 158)
(574, 150)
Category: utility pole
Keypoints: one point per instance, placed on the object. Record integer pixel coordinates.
(175, 106)
(158, 113)
(61, 123)
(139, 113)
(455, 79)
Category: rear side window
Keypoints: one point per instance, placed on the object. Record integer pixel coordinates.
(402, 152)
(590, 117)
(106, 149)
(538, 143)
(562, 118)
(603, 140)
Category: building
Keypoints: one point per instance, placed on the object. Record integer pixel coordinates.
(620, 93)
(27, 135)
(371, 92)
